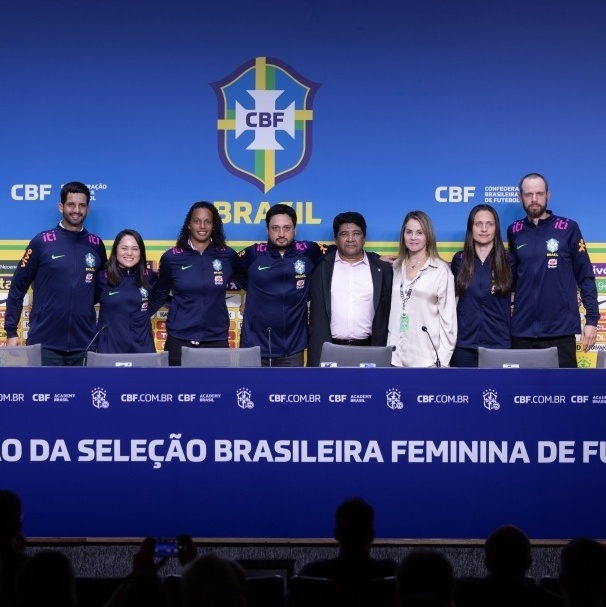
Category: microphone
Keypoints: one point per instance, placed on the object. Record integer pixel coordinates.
(269, 341)
(438, 363)
(92, 341)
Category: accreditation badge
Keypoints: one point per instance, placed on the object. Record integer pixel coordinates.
(404, 322)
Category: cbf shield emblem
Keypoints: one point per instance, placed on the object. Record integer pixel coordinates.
(265, 121)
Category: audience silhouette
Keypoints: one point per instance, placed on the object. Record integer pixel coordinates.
(211, 581)
(46, 580)
(12, 545)
(425, 578)
(354, 531)
(583, 573)
(507, 559)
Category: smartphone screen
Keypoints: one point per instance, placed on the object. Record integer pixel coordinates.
(166, 547)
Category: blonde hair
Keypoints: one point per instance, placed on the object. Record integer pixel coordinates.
(430, 237)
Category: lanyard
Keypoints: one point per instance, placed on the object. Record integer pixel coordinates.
(405, 296)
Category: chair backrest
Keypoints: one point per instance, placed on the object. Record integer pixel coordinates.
(266, 591)
(221, 357)
(21, 356)
(355, 356)
(96, 592)
(601, 362)
(145, 359)
(545, 358)
(318, 592)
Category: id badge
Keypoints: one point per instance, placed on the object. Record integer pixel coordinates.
(404, 323)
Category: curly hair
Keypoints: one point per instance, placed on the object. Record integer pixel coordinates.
(218, 233)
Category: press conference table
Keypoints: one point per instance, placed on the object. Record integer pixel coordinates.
(269, 453)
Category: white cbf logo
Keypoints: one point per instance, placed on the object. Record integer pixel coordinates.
(455, 193)
(265, 120)
(30, 191)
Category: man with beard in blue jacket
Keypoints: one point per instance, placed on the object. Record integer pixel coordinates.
(552, 263)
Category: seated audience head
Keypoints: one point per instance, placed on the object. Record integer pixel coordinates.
(10, 517)
(583, 573)
(507, 552)
(354, 524)
(211, 581)
(46, 580)
(425, 577)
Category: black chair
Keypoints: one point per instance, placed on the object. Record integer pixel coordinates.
(173, 586)
(551, 584)
(265, 591)
(95, 592)
(319, 592)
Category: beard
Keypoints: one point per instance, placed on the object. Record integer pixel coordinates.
(535, 211)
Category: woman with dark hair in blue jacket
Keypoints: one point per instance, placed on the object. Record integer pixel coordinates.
(123, 291)
(484, 278)
(196, 273)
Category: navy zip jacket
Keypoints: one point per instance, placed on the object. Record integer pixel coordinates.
(198, 281)
(276, 297)
(483, 318)
(552, 261)
(63, 267)
(124, 312)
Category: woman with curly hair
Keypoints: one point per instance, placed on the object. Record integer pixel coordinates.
(197, 270)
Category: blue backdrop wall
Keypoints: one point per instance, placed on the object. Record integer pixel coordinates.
(436, 105)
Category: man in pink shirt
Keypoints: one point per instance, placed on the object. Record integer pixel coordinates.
(350, 292)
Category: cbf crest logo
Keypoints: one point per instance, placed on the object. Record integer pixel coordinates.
(393, 399)
(552, 245)
(90, 260)
(299, 266)
(490, 398)
(265, 121)
(99, 397)
(244, 396)
(217, 265)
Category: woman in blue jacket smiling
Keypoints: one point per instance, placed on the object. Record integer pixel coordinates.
(196, 272)
(123, 290)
